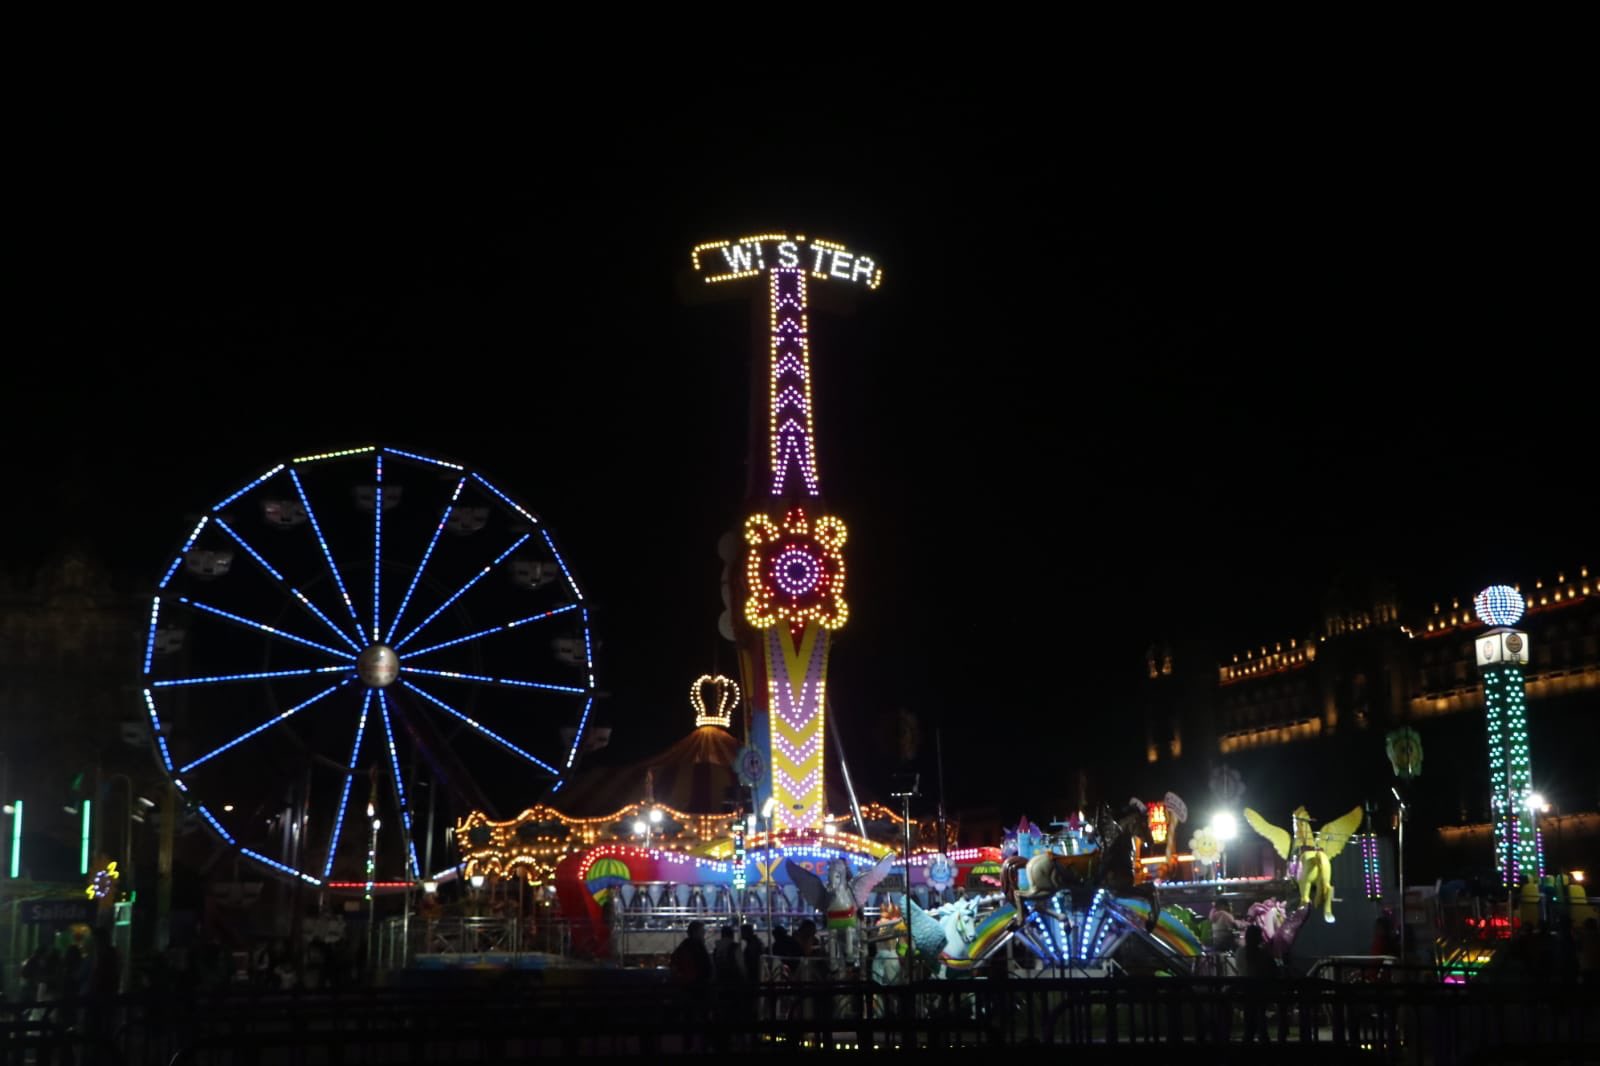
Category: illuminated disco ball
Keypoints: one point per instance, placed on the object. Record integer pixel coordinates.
(1499, 605)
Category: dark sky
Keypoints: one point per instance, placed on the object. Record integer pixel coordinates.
(1139, 367)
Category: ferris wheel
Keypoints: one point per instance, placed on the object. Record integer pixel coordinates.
(351, 629)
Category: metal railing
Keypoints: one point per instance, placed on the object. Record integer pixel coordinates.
(642, 1013)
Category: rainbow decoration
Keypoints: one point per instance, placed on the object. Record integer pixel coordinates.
(1170, 930)
(991, 933)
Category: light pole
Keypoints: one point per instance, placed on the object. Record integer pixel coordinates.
(767, 811)
(1400, 868)
(1537, 805)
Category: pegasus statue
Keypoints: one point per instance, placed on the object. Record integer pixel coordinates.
(1310, 854)
(839, 899)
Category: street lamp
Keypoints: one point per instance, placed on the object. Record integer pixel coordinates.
(1225, 827)
(1400, 863)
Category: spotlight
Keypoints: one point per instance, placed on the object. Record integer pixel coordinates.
(1224, 826)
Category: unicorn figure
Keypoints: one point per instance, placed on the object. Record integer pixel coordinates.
(1278, 927)
(839, 899)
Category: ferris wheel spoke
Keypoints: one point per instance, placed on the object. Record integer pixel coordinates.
(399, 785)
(492, 629)
(377, 547)
(268, 724)
(279, 578)
(479, 576)
(349, 776)
(241, 620)
(444, 518)
(480, 727)
(224, 679)
(316, 527)
(508, 682)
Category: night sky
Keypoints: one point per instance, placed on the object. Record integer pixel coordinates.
(1138, 369)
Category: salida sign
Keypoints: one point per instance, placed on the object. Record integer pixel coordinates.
(57, 911)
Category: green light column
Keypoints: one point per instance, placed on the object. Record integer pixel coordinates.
(1517, 847)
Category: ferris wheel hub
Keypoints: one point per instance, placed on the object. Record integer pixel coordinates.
(378, 666)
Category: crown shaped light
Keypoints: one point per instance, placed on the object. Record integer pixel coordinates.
(726, 694)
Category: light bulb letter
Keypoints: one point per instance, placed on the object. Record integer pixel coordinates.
(863, 268)
(737, 255)
(819, 252)
(788, 254)
(841, 259)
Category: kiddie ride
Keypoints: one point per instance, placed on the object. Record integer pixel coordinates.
(1064, 898)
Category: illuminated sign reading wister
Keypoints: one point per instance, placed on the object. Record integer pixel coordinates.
(748, 256)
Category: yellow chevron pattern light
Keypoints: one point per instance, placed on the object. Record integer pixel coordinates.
(796, 694)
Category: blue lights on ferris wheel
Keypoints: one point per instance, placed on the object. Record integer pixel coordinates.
(262, 675)
(221, 832)
(375, 667)
(424, 459)
(377, 549)
(479, 576)
(230, 531)
(479, 726)
(1499, 605)
(561, 563)
(399, 782)
(350, 773)
(492, 629)
(316, 528)
(456, 675)
(572, 755)
(230, 616)
(258, 481)
(150, 644)
(183, 551)
(443, 519)
(480, 479)
(268, 724)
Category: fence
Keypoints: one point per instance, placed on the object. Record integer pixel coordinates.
(637, 1013)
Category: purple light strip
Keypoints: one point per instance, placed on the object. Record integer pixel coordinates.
(793, 443)
(444, 518)
(479, 576)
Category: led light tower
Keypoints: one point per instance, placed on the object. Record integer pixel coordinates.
(791, 598)
(1502, 653)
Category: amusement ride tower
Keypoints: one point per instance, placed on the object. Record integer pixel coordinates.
(789, 596)
(1502, 653)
